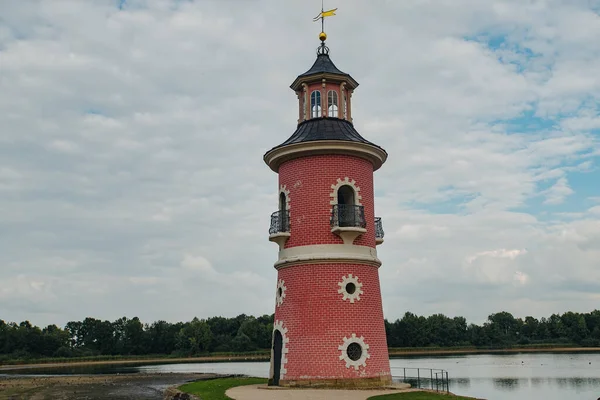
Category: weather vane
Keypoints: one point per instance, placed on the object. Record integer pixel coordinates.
(322, 15)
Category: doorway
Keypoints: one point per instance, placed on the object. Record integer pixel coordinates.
(277, 348)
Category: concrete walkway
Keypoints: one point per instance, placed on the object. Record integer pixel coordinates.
(263, 392)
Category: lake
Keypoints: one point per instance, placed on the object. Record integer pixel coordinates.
(526, 376)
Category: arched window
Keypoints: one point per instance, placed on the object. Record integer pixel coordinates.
(284, 220)
(282, 201)
(315, 104)
(346, 195)
(346, 210)
(332, 103)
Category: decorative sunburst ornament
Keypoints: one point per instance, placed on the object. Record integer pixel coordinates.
(354, 352)
(280, 294)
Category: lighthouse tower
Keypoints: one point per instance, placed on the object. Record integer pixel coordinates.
(329, 328)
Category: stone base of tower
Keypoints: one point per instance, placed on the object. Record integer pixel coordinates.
(376, 382)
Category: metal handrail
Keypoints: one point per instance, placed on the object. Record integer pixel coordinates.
(379, 233)
(424, 378)
(348, 215)
(280, 222)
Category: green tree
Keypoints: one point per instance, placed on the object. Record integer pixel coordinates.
(160, 337)
(195, 337)
(575, 326)
(3, 337)
(54, 338)
(242, 343)
(134, 337)
(502, 328)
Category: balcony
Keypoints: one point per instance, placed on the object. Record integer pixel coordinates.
(378, 231)
(279, 231)
(348, 222)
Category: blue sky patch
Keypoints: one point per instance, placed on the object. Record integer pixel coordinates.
(527, 122)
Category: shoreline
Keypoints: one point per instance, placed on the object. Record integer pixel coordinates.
(437, 352)
(207, 359)
(100, 387)
(185, 360)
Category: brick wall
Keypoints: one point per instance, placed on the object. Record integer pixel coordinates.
(309, 181)
(317, 319)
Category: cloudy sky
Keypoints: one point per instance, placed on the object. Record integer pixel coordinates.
(132, 134)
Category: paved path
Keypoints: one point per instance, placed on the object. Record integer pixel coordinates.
(260, 392)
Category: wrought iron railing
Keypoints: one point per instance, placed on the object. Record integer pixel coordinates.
(345, 215)
(378, 228)
(423, 378)
(280, 222)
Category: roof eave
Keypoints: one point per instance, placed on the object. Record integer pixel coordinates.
(295, 86)
(278, 155)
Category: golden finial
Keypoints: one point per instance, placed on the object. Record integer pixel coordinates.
(322, 15)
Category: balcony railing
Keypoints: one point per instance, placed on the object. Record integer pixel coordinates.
(280, 222)
(378, 228)
(345, 215)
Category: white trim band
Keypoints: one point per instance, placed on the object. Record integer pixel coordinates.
(275, 157)
(327, 253)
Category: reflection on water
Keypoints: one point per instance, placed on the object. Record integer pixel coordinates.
(537, 382)
(575, 383)
(507, 383)
(461, 383)
(493, 377)
(523, 376)
(78, 370)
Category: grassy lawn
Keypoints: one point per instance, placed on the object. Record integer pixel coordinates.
(214, 389)
(418, 396)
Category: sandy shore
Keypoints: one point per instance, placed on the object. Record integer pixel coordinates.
(96, 387)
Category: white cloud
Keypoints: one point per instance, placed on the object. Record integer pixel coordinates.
(64, 146)
(594, 210)
(558, 192)
(197, 263)
(132, 146)
(500, 253)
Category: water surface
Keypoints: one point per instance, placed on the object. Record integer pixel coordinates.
(526, 376)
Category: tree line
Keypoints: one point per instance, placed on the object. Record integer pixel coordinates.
(242, 334)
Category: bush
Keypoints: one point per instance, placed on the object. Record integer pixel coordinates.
(63, 352)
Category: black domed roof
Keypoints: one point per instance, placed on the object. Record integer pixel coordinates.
(316, 129)
(323, 66)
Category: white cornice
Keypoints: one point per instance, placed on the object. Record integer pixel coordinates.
(327, 253)
(275, 157)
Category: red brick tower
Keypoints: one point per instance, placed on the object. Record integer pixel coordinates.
(329, 327)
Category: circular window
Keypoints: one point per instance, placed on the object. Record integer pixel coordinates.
(350, 288)
(354, 351)
(280, 292)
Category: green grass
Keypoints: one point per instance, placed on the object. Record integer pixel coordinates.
(214, 389)
(418, 396)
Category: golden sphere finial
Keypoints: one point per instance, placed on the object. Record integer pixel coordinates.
(322, 36)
